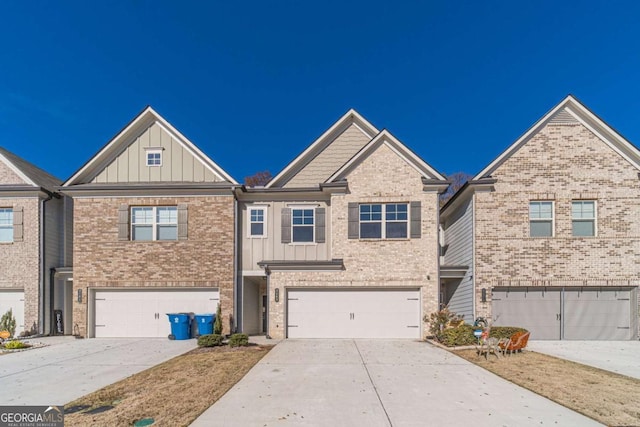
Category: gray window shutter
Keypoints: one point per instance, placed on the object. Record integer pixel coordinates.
(320, 225)
(354, 221)
(18, 227)
(285, 225)
(416, 220)
(123, 222)
(182, 222)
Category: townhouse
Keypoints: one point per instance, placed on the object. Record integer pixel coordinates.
(343, 242)
(35, 247)
(154, 226)
(547, 236)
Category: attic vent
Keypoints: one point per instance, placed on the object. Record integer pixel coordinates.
(563, 117)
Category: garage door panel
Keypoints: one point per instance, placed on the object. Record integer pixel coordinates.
(353, 314)
(601, 314)
(13, 300)
(536, 310)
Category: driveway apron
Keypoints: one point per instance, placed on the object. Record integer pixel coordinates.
(621, 357)
(67, 370)
(378, 383)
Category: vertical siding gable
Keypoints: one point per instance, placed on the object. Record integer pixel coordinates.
(332, 158)
(178, 164)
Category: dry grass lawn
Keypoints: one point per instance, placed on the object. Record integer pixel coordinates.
(173, 393)
(609, 398)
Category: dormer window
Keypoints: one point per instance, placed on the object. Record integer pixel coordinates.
(154, 156)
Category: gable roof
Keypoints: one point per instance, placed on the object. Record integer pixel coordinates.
(127, 135)
(351, 117)
(385, 137)
(570, 110)
(28, 172)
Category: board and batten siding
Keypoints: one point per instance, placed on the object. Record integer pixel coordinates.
(458, 238)
(332, 158)
(256, 249)
(178, 164)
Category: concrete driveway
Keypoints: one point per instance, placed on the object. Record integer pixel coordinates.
(622, 357)
(378, 383)
(69, 368)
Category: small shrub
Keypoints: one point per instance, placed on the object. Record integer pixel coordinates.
(8, 323)
(504, 331)
(440, 320)
(453, 337)
(239, 340)
(210, 340)
(15, 345)
(217, 323)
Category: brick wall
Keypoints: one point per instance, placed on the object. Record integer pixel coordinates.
(20, 261)
(560, 163)
(409, 263)
(205, 259)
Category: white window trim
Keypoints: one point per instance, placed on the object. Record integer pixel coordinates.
(8, 227)
(264, 210)
(553, 218)
(154, 224)
(595, 218)
(152, 150)
(383, 221)
(313, 226)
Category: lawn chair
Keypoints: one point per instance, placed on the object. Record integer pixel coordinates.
(516, 343)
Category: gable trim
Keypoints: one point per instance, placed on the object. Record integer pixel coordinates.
(301, 160)
(17, 171)
(386, 138)
(585, 117)
(145, 120)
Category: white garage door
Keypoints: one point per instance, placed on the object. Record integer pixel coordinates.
(143, 313)
(353, 313)
(13, 300)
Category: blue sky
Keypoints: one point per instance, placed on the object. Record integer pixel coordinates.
(253, 83)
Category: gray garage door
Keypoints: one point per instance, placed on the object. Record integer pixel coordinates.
(535, 309)
(568, 313)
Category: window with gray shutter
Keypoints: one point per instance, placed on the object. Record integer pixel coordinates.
(320, 225)
(416, 220)
(123, 222)
(285, 225)
(354, 221)
(182, 222)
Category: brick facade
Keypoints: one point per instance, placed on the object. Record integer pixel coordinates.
(20, 261)
(560, 163)
(383, 177)
(204, 260)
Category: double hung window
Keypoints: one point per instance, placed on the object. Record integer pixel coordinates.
(154, 223)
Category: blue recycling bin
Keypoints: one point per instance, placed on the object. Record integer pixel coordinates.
(205, 323)
(180, 326)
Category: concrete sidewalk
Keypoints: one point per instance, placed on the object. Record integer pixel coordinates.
(69, 368)
(621, 357)
(378, 383)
